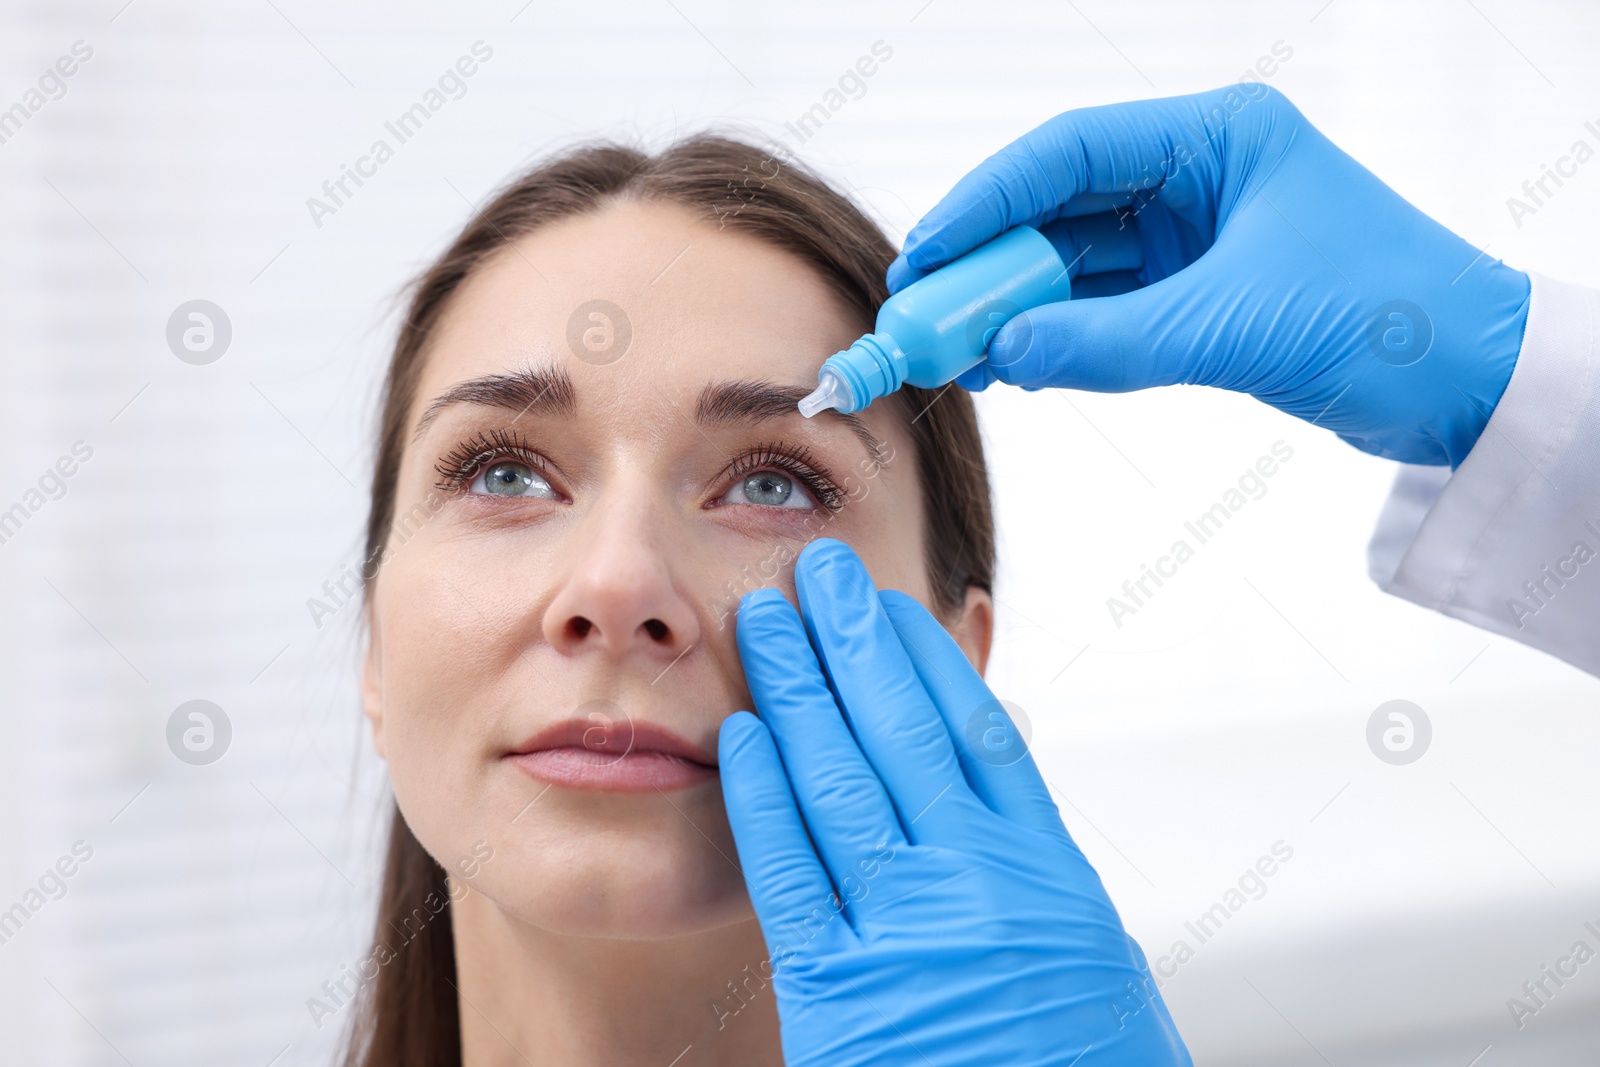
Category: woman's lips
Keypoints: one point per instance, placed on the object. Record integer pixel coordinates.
(636, 772)
(619, 756)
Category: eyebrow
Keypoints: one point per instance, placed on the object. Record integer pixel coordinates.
(541, 390)
(750, 401)
(549, 391)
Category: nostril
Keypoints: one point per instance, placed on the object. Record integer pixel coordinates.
(656, 629)
(578, 626)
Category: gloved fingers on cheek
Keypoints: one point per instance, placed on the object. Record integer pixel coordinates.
(888, 709)
(993, 753)
(784, 876)
(1165, 1017)
(1136, 951)
(840, 795)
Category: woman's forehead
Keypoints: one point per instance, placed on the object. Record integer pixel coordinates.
(640, 302)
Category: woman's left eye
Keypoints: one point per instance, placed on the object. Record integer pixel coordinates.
(768, 488)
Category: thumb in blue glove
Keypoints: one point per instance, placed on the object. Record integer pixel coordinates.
(920, 898)
(1224, 241)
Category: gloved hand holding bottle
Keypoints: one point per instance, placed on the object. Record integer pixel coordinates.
(943, 916)
(1219, 239)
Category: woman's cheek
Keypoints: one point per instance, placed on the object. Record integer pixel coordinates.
(737, 563)
(438, 653)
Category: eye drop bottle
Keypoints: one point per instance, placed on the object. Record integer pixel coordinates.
(941, 324)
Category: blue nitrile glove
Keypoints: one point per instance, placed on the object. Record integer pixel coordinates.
(972, 932)
(1238, 247)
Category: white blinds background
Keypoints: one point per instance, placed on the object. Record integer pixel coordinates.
(219, 498)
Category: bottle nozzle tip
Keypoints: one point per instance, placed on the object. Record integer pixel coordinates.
(831, 392)
(819, 399)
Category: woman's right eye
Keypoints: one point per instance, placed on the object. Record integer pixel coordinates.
(511, 478)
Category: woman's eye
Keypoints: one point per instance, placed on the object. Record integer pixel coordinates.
(510, 478)
(768, 489)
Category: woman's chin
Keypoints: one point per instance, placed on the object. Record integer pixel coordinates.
(610, 897)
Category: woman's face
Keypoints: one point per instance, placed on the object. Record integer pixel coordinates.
(582, 500)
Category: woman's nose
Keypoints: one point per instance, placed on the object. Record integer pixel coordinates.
(620, 599)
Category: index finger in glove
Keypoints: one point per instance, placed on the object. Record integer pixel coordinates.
(1081, 162)
(992, 752)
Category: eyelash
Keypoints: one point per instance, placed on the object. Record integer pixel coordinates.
(796, 462)
(461, 465)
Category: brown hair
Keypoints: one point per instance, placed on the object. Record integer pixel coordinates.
(406, 1013)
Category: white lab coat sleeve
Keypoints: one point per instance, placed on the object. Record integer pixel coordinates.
(1511, 540)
